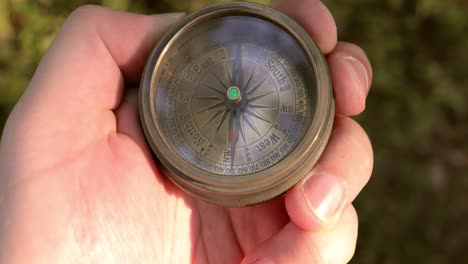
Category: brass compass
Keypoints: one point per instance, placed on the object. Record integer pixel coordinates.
(237, 104)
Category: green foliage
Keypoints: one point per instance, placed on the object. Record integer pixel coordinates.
(412, 211)
(414, 208)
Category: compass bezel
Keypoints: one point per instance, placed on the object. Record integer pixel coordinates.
(259, 186)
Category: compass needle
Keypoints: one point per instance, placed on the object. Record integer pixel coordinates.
(262, 107)
(237, 67)
(228, 74)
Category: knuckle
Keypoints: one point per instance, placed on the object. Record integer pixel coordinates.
(84, 13)
(365, 143)
(354, 135)
(324, 253)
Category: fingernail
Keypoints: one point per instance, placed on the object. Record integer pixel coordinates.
(359, 72)
(326, 196)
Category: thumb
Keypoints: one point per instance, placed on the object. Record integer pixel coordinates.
(294, 245)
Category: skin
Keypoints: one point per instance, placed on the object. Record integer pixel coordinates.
(79, 185)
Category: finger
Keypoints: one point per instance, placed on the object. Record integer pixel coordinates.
(80, 80)
(129, 129)
(352, 76)
(294, 245)
(95, 49)
(337, 178)
(95, 52)
(128, 120)
(314, 17)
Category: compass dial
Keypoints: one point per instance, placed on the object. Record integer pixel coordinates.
(236, 103)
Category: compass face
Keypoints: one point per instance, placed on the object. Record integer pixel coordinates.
(252, 132)
(230, 96)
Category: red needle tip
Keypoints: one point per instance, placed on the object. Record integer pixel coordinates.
(233, 133)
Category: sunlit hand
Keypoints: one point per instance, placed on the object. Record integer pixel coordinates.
(79, 185)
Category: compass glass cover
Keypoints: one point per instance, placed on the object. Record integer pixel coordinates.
(234, 95)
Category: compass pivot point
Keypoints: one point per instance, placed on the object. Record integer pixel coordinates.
(234, 95)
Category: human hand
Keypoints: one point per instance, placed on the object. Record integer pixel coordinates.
(79, 184)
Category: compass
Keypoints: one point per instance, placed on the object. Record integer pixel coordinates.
(236, 103)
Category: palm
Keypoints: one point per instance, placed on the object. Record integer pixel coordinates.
(123, 194)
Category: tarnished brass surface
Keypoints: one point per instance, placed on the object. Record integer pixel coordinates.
(237, 104)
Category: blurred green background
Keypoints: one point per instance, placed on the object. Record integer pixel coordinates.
(415, 208)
